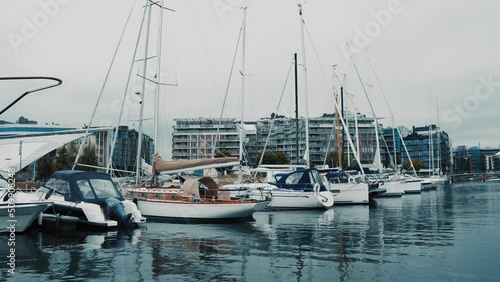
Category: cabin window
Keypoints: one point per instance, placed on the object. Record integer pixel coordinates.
(86, 190)
(60, 186)
(104, 188)
(294, 178)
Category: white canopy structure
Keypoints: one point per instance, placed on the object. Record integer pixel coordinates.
(31, 149)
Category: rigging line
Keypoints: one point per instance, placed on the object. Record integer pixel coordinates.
(371, 107)
(129, 82)
(393, 117)
(227, 91)
(274, 118)
(210, 67)
(316, 54)
(80, 149)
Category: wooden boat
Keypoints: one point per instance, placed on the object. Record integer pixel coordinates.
(196, 199)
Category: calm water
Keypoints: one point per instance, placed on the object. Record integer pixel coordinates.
(452, 234)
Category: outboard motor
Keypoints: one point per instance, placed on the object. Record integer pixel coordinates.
(113, 209)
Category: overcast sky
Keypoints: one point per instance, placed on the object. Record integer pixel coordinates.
(425, 53)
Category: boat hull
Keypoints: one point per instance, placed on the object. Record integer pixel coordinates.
(412, 187)
(291, 199)
(199, 211)
(347, 193)
(25, 214)
(393, 189)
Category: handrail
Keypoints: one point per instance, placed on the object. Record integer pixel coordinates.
(59, 82)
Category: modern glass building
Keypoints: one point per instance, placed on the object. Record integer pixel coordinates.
(430, 145)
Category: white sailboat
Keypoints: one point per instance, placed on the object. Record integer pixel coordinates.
(196, 198)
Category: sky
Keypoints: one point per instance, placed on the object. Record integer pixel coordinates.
(437, 62)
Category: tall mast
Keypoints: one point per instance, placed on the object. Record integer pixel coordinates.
(143, 88)
(306, 155)
(394, 144)
(158, 81)
(377, 153)
(438, 130)
(296, 110)
(342, 131)
(243, 47)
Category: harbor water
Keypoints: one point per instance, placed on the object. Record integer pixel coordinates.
(450, 234)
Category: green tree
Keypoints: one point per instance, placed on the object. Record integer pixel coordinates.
(273, 158)
(63, 159)
(88, 157)
(45, 166)
(281, 158)
(416, 163)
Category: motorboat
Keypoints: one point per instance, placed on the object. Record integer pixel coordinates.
(18, 210)
(87, 199)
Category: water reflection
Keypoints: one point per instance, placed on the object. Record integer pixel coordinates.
(393, 239)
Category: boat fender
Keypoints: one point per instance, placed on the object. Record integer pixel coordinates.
(113, 209)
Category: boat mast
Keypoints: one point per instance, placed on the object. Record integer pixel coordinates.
(158, 81)
(156, 119)
(438, 131)
(377, 153)
(242, 125)
(394, 144)
(306, 155)
(141, 112)
(296, 110)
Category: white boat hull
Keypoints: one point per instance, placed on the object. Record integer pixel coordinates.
(201, 211)
(25, 214)
(393, 189)
(350, 193)
(291, 199)
(413, 187)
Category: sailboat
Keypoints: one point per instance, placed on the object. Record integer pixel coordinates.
(435, 180)
(196, 198)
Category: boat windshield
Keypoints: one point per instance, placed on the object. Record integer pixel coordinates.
(97, 188)
(294, 178)
(317, 178)
(3, 183)
(60, 186)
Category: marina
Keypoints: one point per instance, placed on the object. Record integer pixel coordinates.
(335, 170)
(448, 234)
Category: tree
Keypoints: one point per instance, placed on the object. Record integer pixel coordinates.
(45, 166)
(273, 158)
(416, 163)
(88, 157)
(281, 158)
